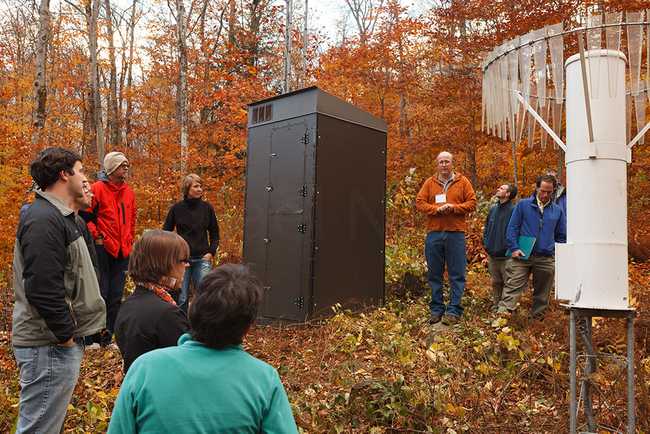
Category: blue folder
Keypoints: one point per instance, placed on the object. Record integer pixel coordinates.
(526, 245)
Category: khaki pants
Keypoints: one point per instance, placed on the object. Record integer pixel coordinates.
(518, 270)
(497, 269)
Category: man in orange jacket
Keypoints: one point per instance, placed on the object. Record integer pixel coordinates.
(446, 198)
(112, 225)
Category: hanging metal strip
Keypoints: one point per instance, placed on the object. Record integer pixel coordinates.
(541, 122)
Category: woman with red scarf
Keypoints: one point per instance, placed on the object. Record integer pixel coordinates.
(149, 318)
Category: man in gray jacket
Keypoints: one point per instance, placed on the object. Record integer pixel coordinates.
(56, 291)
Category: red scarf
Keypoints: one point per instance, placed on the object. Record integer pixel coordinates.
(159, 290)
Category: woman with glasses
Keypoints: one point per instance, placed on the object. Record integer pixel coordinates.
(149, 318)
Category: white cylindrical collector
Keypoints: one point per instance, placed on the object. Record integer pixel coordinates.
(591, 268)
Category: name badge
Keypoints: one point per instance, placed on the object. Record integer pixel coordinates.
(441, 198)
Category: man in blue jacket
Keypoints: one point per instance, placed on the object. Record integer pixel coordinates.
(559, 195)
(494, 239)
(541, 218)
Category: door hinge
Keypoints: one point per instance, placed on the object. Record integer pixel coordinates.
(299, 302)
(302, 228)
(303, 191)
(305, 138)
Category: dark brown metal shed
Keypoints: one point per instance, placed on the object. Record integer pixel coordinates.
(315, 204)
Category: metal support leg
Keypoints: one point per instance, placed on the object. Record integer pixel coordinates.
(572, 373)
(630, 375)
(590, 368)
(580, 321)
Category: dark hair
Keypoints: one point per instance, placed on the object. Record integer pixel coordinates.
(48, 164)
(512, 188)
(154, 255)
(546, 178)
(224, 306)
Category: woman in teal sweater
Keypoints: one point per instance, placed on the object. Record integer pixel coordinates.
(208, 383)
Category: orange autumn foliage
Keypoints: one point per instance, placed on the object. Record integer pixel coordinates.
(420, 73)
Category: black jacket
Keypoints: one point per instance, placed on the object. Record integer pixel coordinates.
(90, 243)
(194, 220)
(55, 286)
(146, 322)
(496, 224)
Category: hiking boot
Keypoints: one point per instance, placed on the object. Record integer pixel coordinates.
(435, 318)
(450, 320)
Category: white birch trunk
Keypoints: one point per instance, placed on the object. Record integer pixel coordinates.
(182, 82)
(92, 12)
(40, 84)
(113, 122)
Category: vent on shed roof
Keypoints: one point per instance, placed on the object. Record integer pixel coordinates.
(263, 113)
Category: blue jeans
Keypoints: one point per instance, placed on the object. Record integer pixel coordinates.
(442, 248)
(197, 269)
(48, 375)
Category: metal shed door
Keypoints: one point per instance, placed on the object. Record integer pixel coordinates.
(288, 220)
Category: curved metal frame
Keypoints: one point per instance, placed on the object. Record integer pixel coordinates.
(566, 32)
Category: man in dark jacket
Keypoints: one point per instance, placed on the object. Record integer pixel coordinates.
(112, 225)
(540, 218)
(56, 292)
(494, 239)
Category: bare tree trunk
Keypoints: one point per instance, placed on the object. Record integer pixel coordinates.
(514, 163)
(253, 44)
(204, 61)
(95, 104)
(471, 160)
(129, 79)
(232, 14)
(182, 82)
(471, 138)
(287, 45)
(113, 121)
(86, 122)
(206, 110)
(124, 66)
(365, 14)
(40, 84)
(305, 44)
(403, 101)
(403, 118)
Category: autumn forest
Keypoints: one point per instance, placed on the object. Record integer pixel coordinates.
(168, 84)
